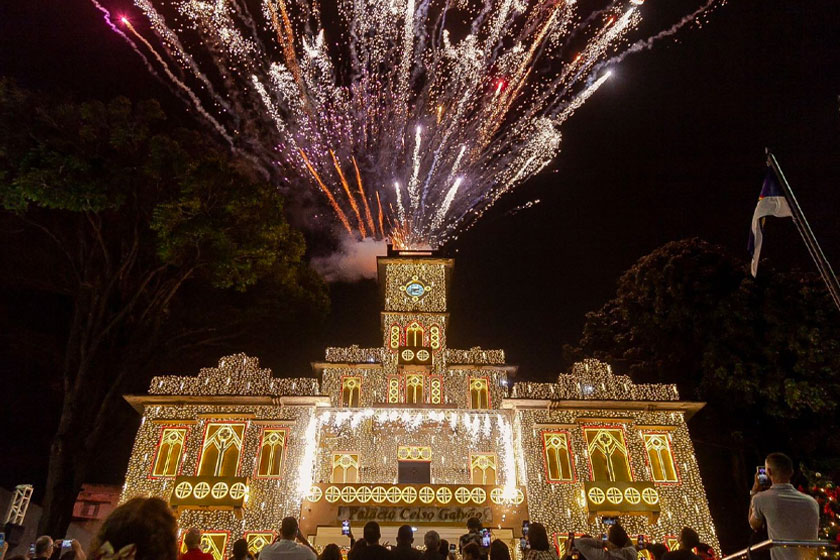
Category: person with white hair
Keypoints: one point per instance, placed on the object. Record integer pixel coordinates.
(432, 541)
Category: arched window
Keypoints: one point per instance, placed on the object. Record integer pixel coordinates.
(479, 393)
(351, 391)
(414, 335)
(414, 388)
(345, 468)
(660, 458)
(168, 457)
(558, 461)
(272, 450)
(483, 468)
(221, 449)
(608, 454)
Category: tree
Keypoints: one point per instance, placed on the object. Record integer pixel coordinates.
(762, 352)
(136, 220)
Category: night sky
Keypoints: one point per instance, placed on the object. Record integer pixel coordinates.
(671, 147)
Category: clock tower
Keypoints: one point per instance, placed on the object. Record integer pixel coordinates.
(414, 318)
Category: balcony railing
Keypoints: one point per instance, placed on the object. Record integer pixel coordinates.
(622, 498)
(432, 495)
(213, 492)
(771, 543)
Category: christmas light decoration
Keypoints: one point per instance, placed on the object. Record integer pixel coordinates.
(236, 449)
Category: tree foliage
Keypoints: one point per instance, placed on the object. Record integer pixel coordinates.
(136, 223)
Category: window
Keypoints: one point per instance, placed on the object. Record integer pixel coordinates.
(434, 337)
(257, 540)
(168, 457)
(414, 464)
(414, 383)
(272, 451)
(608, 454)
(414, 335)
(351, 388)
(345, 468)
(436, 389)
(558, 457)
(483, 468)
(221, 449)
(660, 458)
(479, 393)
(395, 394)
(395, 337)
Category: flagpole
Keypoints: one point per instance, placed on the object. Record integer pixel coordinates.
(817, 255)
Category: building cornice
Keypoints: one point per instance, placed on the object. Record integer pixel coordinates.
(689, 408)
(138, 402)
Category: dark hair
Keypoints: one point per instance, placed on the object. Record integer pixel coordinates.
(618, 536)
(240, 549)
(474, 523)
(288, 528)
(147, 523)
(499, 550)
(657, 549)
(372, 532)
(330, 552)
(689, 538)
(537, 537)
(444, 547)
(472, 549)
(43, 544)
(780, 463)
(405, 534)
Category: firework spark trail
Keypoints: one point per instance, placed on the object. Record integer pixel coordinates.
(106, 15)
(647, 44)
(437, 128)
(363, 197)
(196, 101)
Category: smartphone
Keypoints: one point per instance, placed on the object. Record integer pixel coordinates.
(485, 538)
(66, 544)
(604, 538)
(32, 549)
(2, 538)
(763, 479)
(525, 526)
(453, 547)
(523, 544)
(345, 527)
(640, 542)
(608, 521)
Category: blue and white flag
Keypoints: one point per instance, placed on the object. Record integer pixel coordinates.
(771, 202)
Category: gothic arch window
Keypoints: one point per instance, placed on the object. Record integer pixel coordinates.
(351, 390)
(414, 383)
(660, 458)
(414, 335)
(169, 451)
(608, 454)
(345, 468)
(479, 393)
(558, 457)
(221, 449)
(483, 468)
(272, 451)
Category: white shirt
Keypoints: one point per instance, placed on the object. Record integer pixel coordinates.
(789, 515)
(286, 550)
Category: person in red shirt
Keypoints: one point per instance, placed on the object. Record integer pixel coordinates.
(192, 540)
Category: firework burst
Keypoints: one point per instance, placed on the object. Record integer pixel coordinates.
(416, 116)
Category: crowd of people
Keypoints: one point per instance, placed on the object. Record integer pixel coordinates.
(146, 529)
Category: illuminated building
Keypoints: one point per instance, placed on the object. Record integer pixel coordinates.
(415, 432)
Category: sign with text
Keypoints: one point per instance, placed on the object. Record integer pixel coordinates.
(454, 515)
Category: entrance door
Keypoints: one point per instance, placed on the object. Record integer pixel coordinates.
(415, 472)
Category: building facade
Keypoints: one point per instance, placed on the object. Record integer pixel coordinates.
(414, 432)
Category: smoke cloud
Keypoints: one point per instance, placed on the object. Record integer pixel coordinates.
(354, 261)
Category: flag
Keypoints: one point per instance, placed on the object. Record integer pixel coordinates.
(771, 202)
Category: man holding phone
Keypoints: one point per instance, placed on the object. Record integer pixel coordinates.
(285, 548)
(787, 513)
